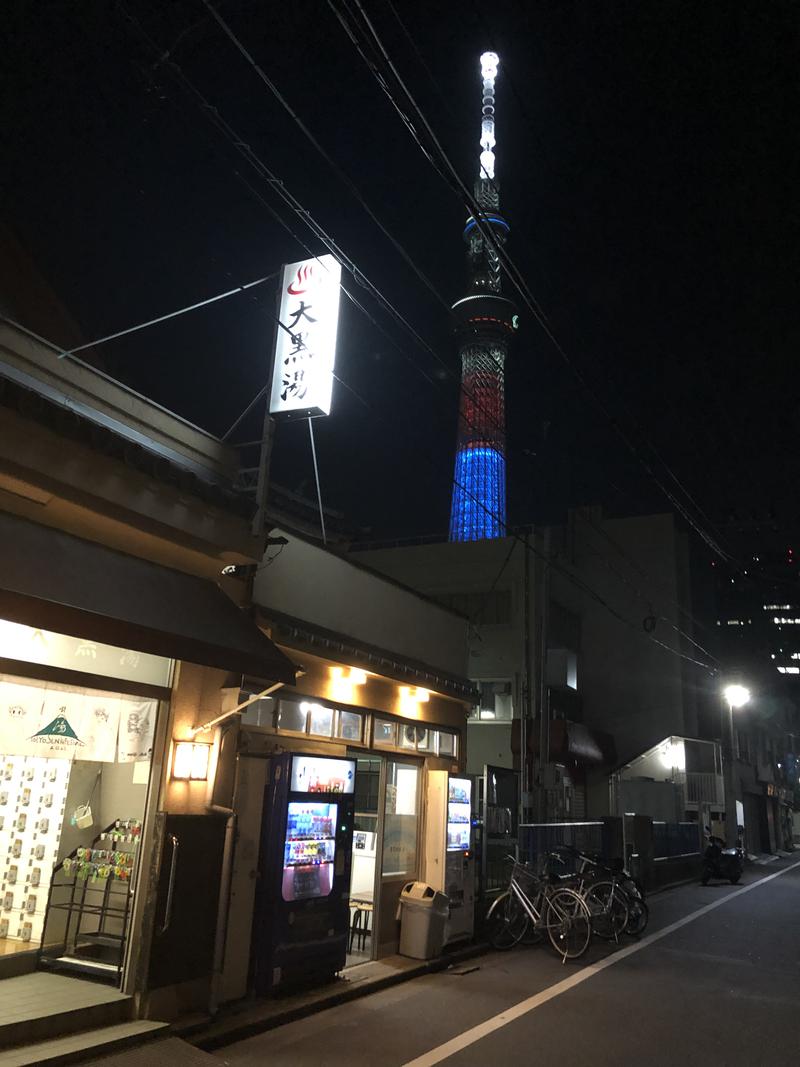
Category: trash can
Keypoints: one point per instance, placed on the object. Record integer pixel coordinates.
(423, 914)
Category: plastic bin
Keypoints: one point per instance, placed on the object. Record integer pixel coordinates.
(423, 913)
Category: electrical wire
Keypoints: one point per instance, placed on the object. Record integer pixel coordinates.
(264, 171)
(163, 318)
(444, 167)
(343, 177)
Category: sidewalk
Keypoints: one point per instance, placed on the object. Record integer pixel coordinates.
(245, 1019)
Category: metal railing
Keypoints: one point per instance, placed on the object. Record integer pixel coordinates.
(673, 839)
(537, 839)
(704, 788)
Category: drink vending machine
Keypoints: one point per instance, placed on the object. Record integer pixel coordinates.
(302, 910)
(449, 859)
(459, 882)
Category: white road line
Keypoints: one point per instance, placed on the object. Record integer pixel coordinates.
(477, 1033)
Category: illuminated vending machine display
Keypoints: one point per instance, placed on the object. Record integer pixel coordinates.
(459, 860)
(302, 911)
(459, 814)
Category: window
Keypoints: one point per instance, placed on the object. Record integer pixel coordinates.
(292, 717)
(351, 726)
(384, 733)
(320, 720)
(496, 703)
(400, 820)
(447, 743)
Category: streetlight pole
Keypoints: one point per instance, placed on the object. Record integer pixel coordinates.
(736, 696)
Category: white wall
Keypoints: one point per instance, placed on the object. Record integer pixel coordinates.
(496, 650)
(321, 588)
(488, 743)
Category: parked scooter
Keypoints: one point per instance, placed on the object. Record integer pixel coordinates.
(726, 864)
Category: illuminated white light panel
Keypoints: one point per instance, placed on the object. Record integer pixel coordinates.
(489, 64)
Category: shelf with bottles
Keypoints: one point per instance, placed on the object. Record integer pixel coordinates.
(308, 853)
(311, 822)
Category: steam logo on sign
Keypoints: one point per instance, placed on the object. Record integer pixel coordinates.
(58, 733)
(304, 279)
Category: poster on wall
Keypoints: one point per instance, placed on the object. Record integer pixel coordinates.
(136, 725)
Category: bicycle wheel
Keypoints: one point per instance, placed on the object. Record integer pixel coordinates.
(638, 917)
(506, 922)
(568, 923)
(608, 908)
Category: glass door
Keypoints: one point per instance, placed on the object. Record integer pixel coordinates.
(366, 837)
(399, 846)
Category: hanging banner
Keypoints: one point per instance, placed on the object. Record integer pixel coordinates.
(305, 344)
(136, 726)
(58, 724)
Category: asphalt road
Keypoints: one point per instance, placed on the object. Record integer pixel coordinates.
(720, 988)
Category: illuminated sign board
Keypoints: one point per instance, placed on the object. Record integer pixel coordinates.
(305, 345)
(320, 774)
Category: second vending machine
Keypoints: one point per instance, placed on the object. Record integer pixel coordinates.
(302, 912)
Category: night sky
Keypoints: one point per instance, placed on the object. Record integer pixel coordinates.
(647, 158)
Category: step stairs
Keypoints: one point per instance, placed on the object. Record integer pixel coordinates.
(52, 1018)
(103, 1041)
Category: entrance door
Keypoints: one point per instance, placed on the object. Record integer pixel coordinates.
(399, 846)
(186, 899)
(366, 850)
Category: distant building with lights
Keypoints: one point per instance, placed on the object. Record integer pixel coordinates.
(485, 322)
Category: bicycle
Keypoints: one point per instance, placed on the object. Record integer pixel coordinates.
(615, 899)
(540, 905)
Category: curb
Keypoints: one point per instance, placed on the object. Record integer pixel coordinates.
(199, 1036)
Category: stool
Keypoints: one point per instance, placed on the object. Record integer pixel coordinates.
(360, 925)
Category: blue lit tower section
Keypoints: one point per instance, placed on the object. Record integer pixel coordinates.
(485, 322)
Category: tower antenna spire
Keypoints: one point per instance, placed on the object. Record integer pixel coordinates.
(490, 61)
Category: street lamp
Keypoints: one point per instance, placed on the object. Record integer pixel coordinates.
(736, 696)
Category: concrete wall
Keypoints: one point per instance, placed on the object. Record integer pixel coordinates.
(495, 649)
(630, 686)
(323, 589)
(488, 743)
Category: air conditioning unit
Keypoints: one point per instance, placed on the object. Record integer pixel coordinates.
(416, 735)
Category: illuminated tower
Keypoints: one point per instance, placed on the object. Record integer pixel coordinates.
(485, 322)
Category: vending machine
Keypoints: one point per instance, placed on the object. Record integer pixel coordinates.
(302, 910)
(449, 858)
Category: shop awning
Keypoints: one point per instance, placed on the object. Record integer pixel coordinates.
(52, 580)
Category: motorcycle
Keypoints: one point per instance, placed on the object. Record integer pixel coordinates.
(725, 864)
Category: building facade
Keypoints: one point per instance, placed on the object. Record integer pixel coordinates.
(118, 645)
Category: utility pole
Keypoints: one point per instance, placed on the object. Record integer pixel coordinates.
(526, 716)
(543, 597)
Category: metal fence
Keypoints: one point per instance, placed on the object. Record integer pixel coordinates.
(672, 839)
(536, 840)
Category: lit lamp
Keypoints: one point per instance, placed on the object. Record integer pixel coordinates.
(736, 696)
(343, 685)
(410, 699)
(190, 761)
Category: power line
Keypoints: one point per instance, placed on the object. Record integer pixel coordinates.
(163, 318)
(517, 279)
(278, 186)
(343, 177)
(262, 170)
